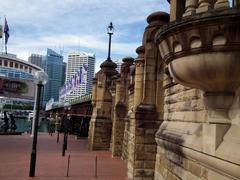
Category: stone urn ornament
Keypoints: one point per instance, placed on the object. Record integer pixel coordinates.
(206, 56)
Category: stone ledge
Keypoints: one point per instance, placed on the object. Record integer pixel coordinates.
(187, 116)
(183, 96)
(189, 105)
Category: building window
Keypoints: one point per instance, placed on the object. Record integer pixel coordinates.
(0, 62)
(17, 75)
(21, 66)
(11, 64)
(16, 65)
(5, 63)
(11, 74)
(30, 70)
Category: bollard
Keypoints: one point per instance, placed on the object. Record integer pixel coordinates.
(66, 143)
(95, 167)
(68, 165)
(57, 137)
(64, 147)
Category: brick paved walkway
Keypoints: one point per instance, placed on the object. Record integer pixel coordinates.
(15, 157)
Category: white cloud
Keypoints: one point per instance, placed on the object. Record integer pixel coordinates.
(39, 24)
(25, 46)
(71, 40)
(24, 10)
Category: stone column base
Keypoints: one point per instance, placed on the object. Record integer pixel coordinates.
(100, 130)
(141, 163)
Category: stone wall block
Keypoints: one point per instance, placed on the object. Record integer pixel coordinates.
(145, 156)
(140, 147)
(150, 148)
(175, 89)
(149, 164)
(198, 105)
(143, 173)
(179, 171)
(187, 95)
(188, 116)
(140, 132)
(195, 168)
(151, 132)
(139, 164)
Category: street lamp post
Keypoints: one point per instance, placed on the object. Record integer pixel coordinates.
(110, 30)
(40, 79)
(34, 113)
(67, 107)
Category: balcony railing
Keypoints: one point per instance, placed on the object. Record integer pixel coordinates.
(183, 8)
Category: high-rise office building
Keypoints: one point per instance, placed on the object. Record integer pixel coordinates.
(36, 59)
(76, 60)
(53, 66)
(64, 68)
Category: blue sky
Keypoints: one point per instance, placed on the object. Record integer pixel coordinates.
(70, 25)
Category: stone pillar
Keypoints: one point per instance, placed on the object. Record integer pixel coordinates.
(190, 7)
(94, 92)
(236, 3)
(177, 8)
(118, 91)
(155, 20)
(121, 105)
(144, 120)
(113, 93)
(100, 128)
(125, 73)
(139, 70)
(204, 6)
(118, 123)
(221, 4)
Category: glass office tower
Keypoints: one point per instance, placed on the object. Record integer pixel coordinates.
(53, 66)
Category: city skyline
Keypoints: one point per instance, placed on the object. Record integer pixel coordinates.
(77, 25)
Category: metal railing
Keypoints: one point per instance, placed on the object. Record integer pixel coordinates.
(81, 99)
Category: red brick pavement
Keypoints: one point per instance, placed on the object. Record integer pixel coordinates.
(15, 157)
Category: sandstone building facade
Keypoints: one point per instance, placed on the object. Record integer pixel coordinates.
(174, 111)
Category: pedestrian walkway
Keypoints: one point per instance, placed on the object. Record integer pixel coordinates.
(15, 157)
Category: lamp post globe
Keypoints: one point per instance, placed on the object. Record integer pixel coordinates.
(40, 79)
(110, 29)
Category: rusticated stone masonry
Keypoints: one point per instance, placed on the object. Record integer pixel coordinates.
(184, 112)
(100, 128)
(173, 112)
(121, 106)
(144, 120)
